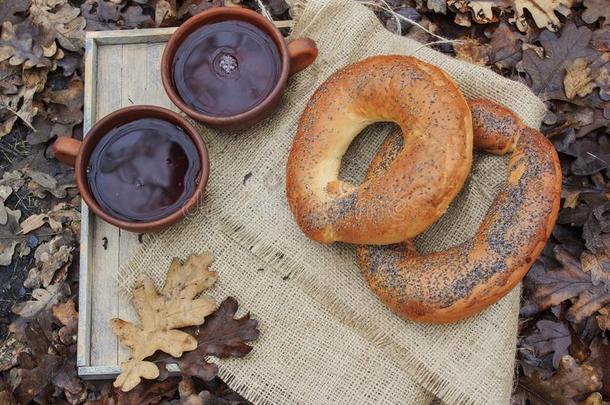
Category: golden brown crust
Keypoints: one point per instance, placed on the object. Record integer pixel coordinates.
(459, 282)
(418, 185)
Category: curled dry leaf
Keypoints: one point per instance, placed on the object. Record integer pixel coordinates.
(161, 315)
(165, 13)
(472, 51)
(11, 78)
(42, 183)
(600, 353)
(52, 256)
(42, 299)
(571, 381)
(5, 192)
(7, 231)
(67, 315)
(543, 12)
(55, 218)
(9, 350)
(595, 399)
(18, 106)
(578, 80)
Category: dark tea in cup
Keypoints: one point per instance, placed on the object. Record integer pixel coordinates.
(140, 168)
(143, 170)
(226, 68)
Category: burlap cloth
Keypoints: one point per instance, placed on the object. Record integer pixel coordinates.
(325, 338)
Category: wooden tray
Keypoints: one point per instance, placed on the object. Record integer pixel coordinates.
(121, 69)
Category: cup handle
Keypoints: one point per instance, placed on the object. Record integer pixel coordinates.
(302, 53)
(66, 149)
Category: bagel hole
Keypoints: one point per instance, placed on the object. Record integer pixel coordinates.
(363, 149)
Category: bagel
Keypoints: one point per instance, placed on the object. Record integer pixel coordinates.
(418, 185)
(456, 283)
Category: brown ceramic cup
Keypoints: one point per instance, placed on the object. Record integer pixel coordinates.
(295, 56)
(77, 153)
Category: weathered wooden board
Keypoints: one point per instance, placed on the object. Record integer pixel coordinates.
(121, 69)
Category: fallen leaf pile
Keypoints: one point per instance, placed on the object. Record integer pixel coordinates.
(559, 48)
(41, 354)
(161, 315)
(165, 317)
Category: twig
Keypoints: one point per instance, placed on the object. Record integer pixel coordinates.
(42, 235)
(386, 7)
(20, 117)
(449, 41)
(264, 10)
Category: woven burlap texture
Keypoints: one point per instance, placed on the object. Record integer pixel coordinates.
(325, 338)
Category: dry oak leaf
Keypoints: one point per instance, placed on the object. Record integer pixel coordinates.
(43, 182)
(161, 315)
(600, 353)
(188, 395)
(596, 9)
(570, 282)
(106, 15)
(505, 46)
(601, 37)
(59, 21)
(8, 243)
(570, 381)
(9, 9)
(5, 192)
(542, 11)
(595, 399)
(481, 10)
(48, 364)
(146, 393)
(19, 106)
(578, 80)
(18, 45)
(472, 51)
(55, 218)
(552, 337)
(67, 315)
(10, 78)
(547, 73)
(222, 335)
(165, 13)
(598, 266)
(42, 298)
(52, 256)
